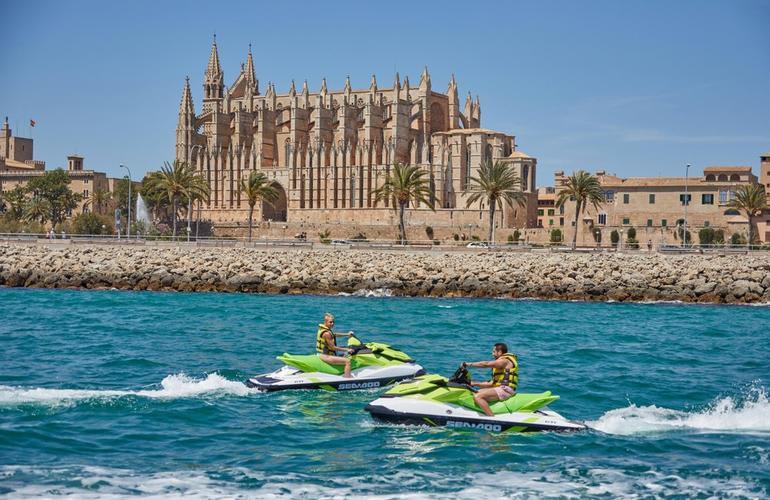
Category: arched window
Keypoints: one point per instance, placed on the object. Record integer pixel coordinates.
(710, 178)
(488, 153)
(722, 178)
(735, 178)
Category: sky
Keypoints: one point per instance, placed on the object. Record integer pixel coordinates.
(636, 88)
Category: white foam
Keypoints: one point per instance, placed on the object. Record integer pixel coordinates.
(376, 292)
(750, 415)
(172, 387)
(100, 482)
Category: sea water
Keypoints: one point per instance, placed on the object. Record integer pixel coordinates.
(108, 393)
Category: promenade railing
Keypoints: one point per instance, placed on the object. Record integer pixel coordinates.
(332, 244)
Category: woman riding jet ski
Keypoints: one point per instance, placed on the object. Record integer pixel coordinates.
(368, 366)
(435, 401)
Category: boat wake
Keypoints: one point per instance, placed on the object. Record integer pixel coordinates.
(102, 482)
(747, 414)
(172, 387)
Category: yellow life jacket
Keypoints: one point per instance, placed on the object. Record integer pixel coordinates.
(321, 344)
(507, 376)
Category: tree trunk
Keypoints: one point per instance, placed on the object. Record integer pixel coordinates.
(173, 217)
(749, 242)
(251, 213)
(577, 216)
(401, 222)
(189, 216)
(491, 220)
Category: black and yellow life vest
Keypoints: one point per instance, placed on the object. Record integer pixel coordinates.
(321, 344)
(507, 376)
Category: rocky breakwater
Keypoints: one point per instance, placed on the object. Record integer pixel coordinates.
(620, 277)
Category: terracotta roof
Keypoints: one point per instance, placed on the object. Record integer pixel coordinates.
(20, 165)
(741, 168)
(612, 181)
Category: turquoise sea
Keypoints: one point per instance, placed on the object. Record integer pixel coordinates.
(108, 393)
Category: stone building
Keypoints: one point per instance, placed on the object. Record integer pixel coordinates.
(329, 150)
(655, 206)
(16, 152)
(17, 168)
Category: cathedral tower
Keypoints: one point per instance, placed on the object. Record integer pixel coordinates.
(213, 81)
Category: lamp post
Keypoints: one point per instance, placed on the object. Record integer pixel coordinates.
(128, 221)
(620, 241)
(686, 202)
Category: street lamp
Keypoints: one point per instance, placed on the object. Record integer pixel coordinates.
(620, 241)
(128, 221)
(686, 202)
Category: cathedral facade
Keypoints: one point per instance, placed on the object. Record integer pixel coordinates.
(329, 150)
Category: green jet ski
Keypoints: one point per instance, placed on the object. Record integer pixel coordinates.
(434, 400)
(373, 365)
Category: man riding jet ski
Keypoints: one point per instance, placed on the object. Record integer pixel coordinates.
(368, 366)
(433, 400)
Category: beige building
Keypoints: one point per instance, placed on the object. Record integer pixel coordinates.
(655, 206)
(330, 149)
(17, 168)
(548, 214)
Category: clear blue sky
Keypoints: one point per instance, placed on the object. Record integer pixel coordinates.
(636, 88)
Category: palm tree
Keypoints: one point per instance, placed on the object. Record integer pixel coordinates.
(585, 189)
(176, 180)
(404, 185)
(498, 184)
(258, 187)
(751, 199)
(37, 209)
(99, 199)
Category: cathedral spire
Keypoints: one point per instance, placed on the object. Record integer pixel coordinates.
(214, 69)
(186, 106)
(373, 84)
(292, 90)
(251, 75)
(347, 85)
(213, 80)
(323, 86)
(452, 88)
(425, 79)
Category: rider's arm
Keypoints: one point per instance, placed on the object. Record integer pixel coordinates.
(497, 363)
(481, 384)
(349, 334)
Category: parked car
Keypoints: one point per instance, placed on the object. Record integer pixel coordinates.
(478, 244)
(340, 242)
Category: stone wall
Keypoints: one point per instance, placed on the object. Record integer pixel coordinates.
(621, 277)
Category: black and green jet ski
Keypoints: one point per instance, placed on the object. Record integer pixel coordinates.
(434, 400)
(373, 365)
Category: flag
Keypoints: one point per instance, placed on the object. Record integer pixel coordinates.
(31, 123)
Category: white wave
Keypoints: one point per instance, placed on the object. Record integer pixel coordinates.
(749, 415)
(172, 387)
(101, 482)
(442, 306)
(377, 292)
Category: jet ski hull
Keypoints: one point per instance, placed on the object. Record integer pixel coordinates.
(288, 378)
(408, 411)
